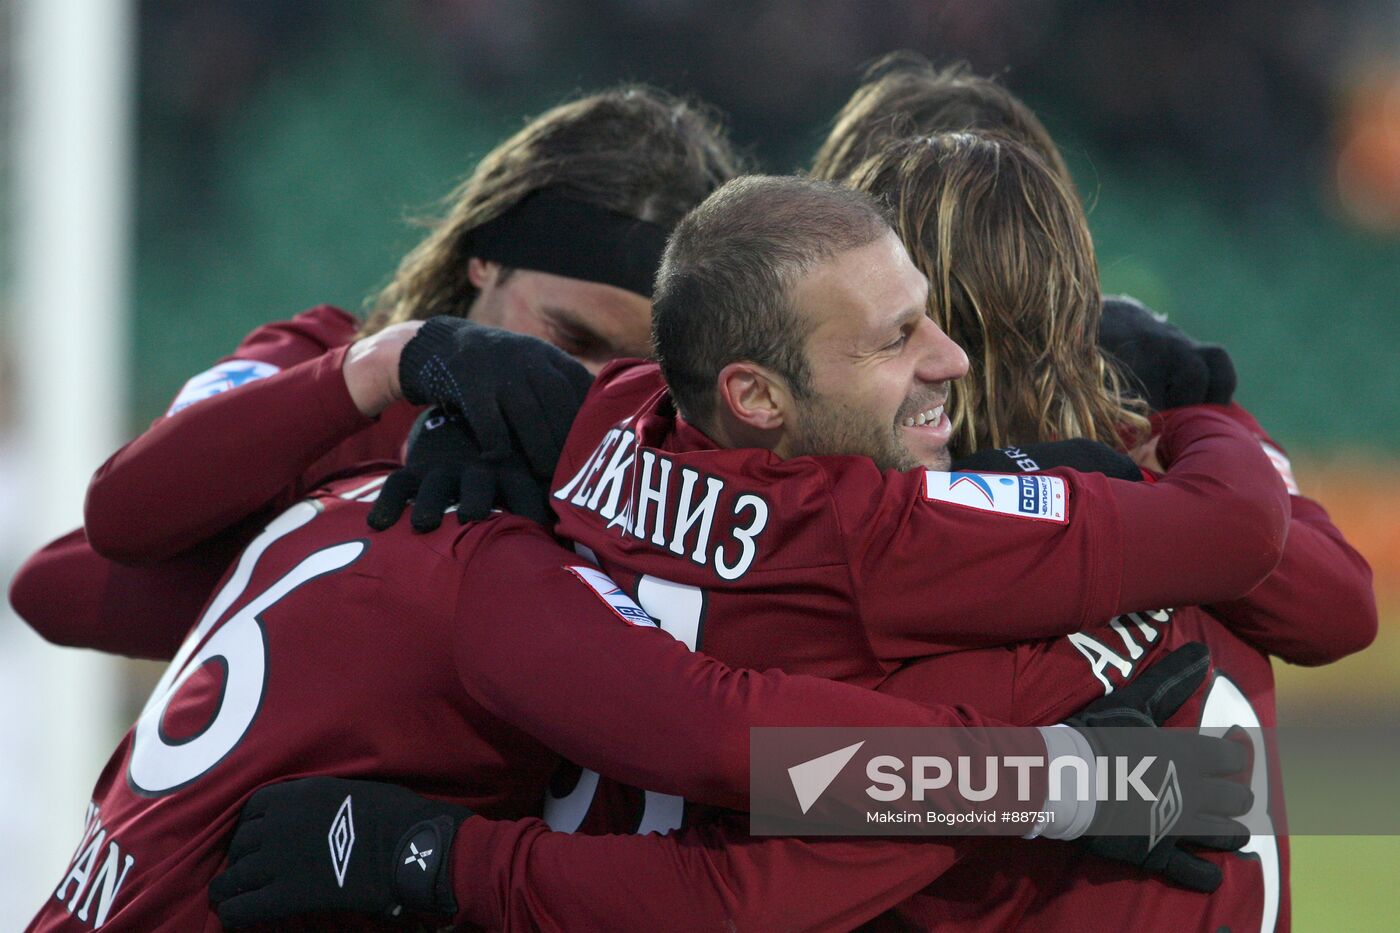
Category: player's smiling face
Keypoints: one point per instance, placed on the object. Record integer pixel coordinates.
(880, 366)
(593, 322)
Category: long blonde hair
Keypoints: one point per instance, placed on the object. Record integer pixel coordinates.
(1013, 279)
(902, 94)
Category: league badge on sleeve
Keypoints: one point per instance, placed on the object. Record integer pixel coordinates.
(1025, 496)
(225, 376)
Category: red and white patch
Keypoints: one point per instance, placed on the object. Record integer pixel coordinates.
(1284, 466)
(612, 594)
(1034, 495)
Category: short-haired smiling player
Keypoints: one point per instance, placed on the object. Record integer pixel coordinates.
(794, 505)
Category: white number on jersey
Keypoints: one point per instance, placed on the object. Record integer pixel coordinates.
(1226, 706)
(159, 765)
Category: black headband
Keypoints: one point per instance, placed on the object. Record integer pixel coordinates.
(548, 232)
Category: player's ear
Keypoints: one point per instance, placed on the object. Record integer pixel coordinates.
(482, 272)
(754, 396)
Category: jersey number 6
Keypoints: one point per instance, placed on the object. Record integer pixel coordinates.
(161, 764)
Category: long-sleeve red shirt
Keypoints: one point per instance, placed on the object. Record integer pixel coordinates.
(173, 505)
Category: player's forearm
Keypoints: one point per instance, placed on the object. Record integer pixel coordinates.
(1318, 605)
(629, 701)
(521, 876)
(1215, 525)
(217, 462)
(687, 721)
(74, 597)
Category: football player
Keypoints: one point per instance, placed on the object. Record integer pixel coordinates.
(459, 664)
(789, 464)
(1317, 607)
(1036, 375)
(189, 753)
(609, 173)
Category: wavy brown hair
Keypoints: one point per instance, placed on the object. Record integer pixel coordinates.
(902, 94)
(1013, 279)
(634, 149)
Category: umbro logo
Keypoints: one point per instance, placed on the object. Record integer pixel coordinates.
(1167, 808)
(415, 856)
(342, 840)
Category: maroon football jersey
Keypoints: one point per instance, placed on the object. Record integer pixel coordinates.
(982, 885)
(859, 570)
(855, 571)
(279, 394)
(171, 491)
(402, 658)
(326, 650)
(711, 873)
(1010, 884)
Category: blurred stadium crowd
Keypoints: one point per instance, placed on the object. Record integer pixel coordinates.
(1138, 79)
(281, 144)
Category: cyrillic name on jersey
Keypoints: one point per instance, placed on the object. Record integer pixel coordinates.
(1045, 498)
(1101, 657)
(665, 504)
(93, 873)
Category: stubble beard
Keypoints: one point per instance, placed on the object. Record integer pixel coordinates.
(831, 430)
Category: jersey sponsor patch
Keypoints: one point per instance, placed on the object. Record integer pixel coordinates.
(221, 378)
(1035, 496)
(612, 594)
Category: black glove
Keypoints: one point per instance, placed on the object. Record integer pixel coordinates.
(1204, 806)
(505, 385)
(326, 844)
(445, 467)
(1164, 366)
(1079, 453)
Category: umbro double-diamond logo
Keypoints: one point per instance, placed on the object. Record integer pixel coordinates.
(342, 840)
(1167, 808)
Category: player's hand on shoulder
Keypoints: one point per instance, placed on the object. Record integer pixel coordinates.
(371, 367)
(516, 392)
(445, 467)
(1164, 366)
(1080, 454)
(326, 844)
